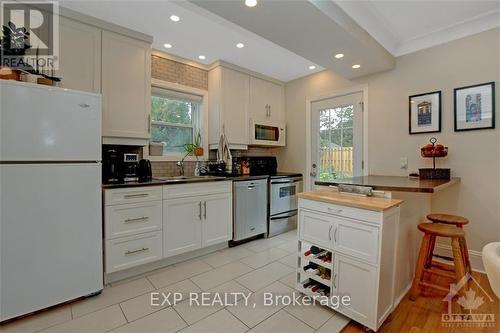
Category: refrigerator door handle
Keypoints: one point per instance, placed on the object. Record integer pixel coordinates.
(285, 215)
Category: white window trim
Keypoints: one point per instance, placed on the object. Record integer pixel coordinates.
(203, 115)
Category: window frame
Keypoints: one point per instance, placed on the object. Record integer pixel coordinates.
(200, 121)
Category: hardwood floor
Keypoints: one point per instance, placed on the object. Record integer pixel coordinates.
(424, 315)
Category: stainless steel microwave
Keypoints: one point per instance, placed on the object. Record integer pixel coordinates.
(267, 133)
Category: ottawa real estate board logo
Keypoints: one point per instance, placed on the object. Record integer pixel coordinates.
(468, 311)
(29, 39)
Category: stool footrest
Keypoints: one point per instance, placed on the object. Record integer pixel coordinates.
(439, 272)
(443, 257)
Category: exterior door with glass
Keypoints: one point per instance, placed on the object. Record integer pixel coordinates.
(336, 138)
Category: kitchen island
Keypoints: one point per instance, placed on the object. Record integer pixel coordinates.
(417, 195)
(348, 248)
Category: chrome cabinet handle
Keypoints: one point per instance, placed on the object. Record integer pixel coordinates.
(337, 211)
(330, 233)
(139, 219)
(199, 210)
(131, 196)
(270, 110)
(84, 105)
(137, 251)
(334, 279)
(335, 234)
(205, 209)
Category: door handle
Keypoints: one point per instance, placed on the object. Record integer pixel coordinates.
(330, 233)
(335, 234)
(205, 209)
(199, 210)
(312, 174)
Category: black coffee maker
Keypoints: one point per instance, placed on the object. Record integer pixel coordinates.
(111, 167)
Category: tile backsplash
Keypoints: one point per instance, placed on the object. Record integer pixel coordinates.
(169, 169)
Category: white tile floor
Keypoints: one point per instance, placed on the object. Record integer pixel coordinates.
(260, 266)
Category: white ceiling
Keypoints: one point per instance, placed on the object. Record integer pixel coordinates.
(407, 26)
(198, 32)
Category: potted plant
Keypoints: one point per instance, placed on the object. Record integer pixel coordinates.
(194, 148)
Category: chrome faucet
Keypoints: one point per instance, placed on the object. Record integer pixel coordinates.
(180, 164)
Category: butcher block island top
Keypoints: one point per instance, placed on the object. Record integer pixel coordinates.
(370, 203)
(395, 183)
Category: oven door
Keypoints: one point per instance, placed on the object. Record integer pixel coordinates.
(283, 195)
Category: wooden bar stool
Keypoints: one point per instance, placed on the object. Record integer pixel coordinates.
(431, 230)
(458, 221)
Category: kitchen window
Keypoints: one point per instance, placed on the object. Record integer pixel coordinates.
(175, 119)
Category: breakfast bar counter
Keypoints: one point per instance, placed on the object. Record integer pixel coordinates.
(395, 183)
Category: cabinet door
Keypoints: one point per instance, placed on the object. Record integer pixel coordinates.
(181, 225)
(79, 56)
(276, 102)
(316, 228)
(217, 221)
(266, 100)
(357, 280)
(126, 86)
(235, 106)
(357, 239)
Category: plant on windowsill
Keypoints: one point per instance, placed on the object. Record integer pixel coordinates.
(194, 149)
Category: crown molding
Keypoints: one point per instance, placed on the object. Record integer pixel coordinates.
(474, 25)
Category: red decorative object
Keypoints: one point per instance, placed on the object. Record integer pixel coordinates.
(433, 150)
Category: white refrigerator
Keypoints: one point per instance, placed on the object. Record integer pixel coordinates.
(50, 197)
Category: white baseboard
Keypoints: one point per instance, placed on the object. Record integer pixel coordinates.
(475, 257)
(402, 295)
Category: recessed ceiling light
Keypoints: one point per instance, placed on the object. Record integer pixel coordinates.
(312, 67)
(240, 45)
(202, 57)
(339, 55)
(175, 18)
(167, 46)
(251, 3)
(356, 66)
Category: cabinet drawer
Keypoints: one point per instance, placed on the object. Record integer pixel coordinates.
(131, 219)
(359, 240)
(316, 228)
(191, 190)
(132, 195)
(343, 211)
(126, 252)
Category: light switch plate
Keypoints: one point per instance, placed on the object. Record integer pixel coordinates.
(403, 163)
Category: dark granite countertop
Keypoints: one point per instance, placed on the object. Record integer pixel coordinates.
(396, 183)
(166, 181)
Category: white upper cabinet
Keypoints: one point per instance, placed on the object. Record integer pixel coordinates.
(79, 56)
(267, 100)
(228, 106)
(235, 98)
(126, 86)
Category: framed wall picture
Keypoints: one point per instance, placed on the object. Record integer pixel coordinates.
(425, 113)
(475, 107)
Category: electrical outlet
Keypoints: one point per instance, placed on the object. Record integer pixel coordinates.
(403, 162)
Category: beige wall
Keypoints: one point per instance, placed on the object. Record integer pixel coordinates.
(474, 156)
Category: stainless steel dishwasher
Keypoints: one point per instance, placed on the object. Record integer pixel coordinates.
(249, 208)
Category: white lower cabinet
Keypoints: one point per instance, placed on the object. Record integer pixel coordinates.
(182, 225)
(145, 224)
(192, 221)
(361, 245)
(217, 223)
(358, 280)
(126, 252)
